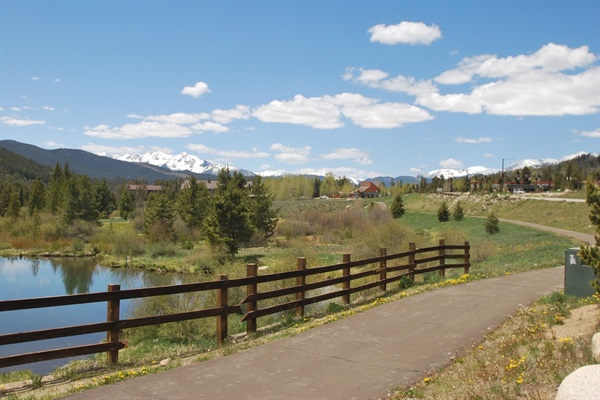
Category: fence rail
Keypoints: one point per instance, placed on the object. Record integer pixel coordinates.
(384, 273)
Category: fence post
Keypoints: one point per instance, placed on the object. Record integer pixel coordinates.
(300, 281)
(113, 308)
(467, 257)
(251, 288)
(346, 274)
(411, 260)
(222, 317)
(442, 254)
(382, 267)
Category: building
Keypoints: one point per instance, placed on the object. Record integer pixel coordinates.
(367, 190)
(144, 188)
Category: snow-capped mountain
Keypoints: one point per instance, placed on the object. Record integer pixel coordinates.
(180, 162)
(454, 173)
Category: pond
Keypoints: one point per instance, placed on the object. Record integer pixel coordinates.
(25, 278)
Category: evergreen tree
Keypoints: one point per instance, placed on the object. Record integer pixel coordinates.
(228, 225)
(316, 188)
(397, 207)
(72, 207)
(37, 196)
(88, 205)
(590, 255)
(491, 224)
(458, 213)
(126, 203)
(55, 192)
(159, 218)
(193, 203)
(443, 213)
(105, 199)
(14, 205)
(262, 214)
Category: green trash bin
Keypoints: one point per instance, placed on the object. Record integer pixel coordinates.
(577, 276)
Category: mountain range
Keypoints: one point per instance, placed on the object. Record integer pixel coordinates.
(158, 165)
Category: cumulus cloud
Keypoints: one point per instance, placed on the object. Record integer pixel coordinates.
(197, 90)
(230, 154)
(589, 134)
(479, 140)
(378, 79)
(326, 112)
(291, 155)
(11, 121)
(357, 155)
(451, 163)
(405, 32)
(141, 130)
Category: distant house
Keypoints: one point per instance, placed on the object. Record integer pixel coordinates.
(367, 190)
(146, 188)
(210, 185)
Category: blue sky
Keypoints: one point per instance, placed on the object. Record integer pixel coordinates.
(359, 88)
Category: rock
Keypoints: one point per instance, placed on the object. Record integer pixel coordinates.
(581, 384)
(596, 346)
(165, 362)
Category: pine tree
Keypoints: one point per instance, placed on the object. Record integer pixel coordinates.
(37, 196)
(126, 203)
(228, 225)
(193, 203)
(397, 207)
(443, 213)
(71, 207)
(159, 218)
(55, 192)
(590, 255)
(316, 188)
(88, 205)
(458, 213)
(105, 199)
(262, 214)
(491, 224)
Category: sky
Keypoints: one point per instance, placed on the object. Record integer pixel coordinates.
(358, 88)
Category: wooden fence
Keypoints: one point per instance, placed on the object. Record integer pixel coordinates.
(405, 265)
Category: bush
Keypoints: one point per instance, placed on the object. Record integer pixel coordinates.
(491, 224)
(458, 213)
(443, 213)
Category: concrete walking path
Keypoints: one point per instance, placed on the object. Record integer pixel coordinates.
(583, 237)
(360, 357)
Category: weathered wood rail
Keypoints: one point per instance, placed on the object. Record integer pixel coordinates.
(384, 273)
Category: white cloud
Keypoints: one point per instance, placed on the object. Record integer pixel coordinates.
(230, 154)
(291, 155)
(57, 80)
(54, 144)
(140, 130)
(405, 32)
(209, 126)
(48, 108)
(479, 140)
(11, 121)
(325, 112)
(174, 118)
(35, 78)
(488, 155)
(316, 112)
(590, 134)
(378, 79)
(197, 90)
(357, 155)
(227, 116)
(451, 163)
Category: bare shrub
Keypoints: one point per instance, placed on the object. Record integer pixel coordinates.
(482, 251)
(393, 236)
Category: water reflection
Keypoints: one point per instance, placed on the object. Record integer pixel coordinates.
(27, 278)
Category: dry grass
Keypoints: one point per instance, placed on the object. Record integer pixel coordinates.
(523, 359)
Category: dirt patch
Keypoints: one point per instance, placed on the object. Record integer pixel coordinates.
(582, 321)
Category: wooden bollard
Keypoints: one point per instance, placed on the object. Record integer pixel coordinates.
(113, 310)
(382, 267)
(346, 274)
(442, 254)
(467, 257)
(251, 289)
(300, 281)
(412, 247)
(222, 317)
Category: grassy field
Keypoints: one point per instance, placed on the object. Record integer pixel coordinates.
(321, 231)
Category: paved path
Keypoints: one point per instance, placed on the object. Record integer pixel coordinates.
(359, 357)
(583, 237)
